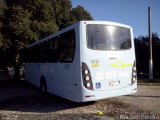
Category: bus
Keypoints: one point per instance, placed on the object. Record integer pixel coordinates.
(87, 61)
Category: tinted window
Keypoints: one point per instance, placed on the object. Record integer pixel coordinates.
(43, 52)
(52, 53)
(67, 46)
(103, 37)
(57, 49)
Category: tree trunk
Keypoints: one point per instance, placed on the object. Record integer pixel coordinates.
(17, 72)
(16, 66)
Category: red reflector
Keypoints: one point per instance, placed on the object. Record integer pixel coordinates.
(89, 96)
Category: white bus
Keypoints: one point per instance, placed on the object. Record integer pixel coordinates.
(87, 61)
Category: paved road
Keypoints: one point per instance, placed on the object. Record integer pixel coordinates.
(147, 98)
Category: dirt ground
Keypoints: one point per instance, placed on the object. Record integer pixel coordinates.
(147, 98)
(22, 101)
(11, 89)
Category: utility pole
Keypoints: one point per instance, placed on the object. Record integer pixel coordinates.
(150, 45)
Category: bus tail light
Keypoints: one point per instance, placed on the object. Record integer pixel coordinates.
(86, 75)
(134, 73)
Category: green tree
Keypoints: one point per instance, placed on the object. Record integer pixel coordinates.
(43, 17)
(2, 19)
(62, 9)
(65, 15)
(17, 31)
(28, 21)
(2, 9)
(37, 17)
(3, 42)
(78, 14)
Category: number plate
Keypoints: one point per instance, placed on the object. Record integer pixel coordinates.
(114, 83)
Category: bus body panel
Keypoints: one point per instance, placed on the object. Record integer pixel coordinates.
(98, 95)
(111, 71)
(62, 79)
(104, 72)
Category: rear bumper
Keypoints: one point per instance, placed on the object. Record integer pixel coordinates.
(113, 93)
(98, 95)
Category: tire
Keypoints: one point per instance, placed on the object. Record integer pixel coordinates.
(43, 85)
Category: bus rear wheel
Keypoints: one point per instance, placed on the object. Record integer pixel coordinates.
(43, 85)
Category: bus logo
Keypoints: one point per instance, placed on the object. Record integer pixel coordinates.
(121, 64)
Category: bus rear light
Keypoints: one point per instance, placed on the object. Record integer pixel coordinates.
(134, 79)
(86, 75)
(88, 84)
(134, 75)
(87, 78)
(134, 68)
(86, 72)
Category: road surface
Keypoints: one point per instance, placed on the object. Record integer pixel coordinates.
(147, 98)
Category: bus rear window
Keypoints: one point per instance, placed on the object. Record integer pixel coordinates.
(105, 37)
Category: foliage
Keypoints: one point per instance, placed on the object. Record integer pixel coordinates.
(2, 6)
(79, 13)
(18, 27)
(30, 20)
(2, 11)
(62, 10)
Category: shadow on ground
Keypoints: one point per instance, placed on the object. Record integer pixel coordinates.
(143, 96)
(22, 96)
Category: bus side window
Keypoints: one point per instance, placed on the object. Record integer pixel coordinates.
(43, 49)
(35, 53)
(56, 56)
(61, 49)
(24, 55)
(30, 55)
(66, 46)
(70, 46)
(52, 53)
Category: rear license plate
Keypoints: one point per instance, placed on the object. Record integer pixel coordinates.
(114, 83)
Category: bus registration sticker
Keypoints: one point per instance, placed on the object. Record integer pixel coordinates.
(95, 63)
(114, 83)
(98, 85)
